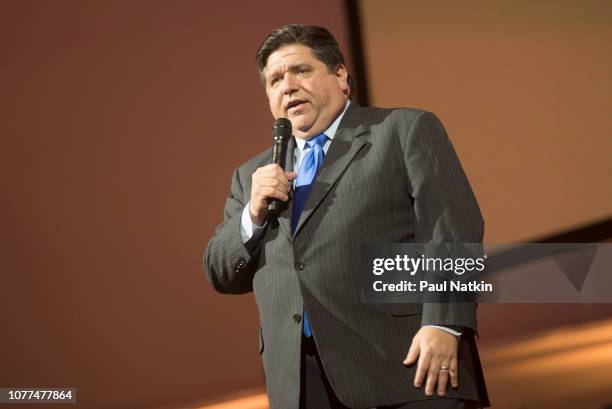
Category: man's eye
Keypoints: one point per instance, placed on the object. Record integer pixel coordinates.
(273, 81)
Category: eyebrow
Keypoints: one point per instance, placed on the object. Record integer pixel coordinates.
(292, 68)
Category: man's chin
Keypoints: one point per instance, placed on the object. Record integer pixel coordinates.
(301, 128)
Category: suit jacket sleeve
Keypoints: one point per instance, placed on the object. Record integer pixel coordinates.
(229, 263)
(445, 208)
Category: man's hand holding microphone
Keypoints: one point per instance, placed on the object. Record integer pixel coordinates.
(270, 184)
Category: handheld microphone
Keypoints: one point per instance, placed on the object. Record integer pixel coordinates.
(281, 132)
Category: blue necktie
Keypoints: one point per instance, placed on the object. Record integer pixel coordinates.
(311, 163)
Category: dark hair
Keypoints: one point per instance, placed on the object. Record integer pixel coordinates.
(321, 42)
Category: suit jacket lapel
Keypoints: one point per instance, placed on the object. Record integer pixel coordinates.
(343, 148)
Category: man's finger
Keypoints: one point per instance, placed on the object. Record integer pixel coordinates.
(422, 368)
(274, 171)
(281, 184)
(413, 353)
(275, 167)
(432, 376)
(454, 372)
(271, 170)
(443, 375)
(273, 193)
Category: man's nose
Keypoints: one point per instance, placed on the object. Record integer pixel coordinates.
(289, 84)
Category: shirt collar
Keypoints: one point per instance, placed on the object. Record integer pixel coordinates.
(330, 132)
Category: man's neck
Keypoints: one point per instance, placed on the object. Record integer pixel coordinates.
(331, 129)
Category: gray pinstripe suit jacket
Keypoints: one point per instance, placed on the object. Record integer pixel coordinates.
(390, 175)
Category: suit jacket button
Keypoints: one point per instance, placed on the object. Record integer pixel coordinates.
(299, 266)
(297, 318)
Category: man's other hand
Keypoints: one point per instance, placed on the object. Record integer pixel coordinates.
(268, 182)
(436, 351)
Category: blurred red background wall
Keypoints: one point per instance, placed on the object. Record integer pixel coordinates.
(121, 124)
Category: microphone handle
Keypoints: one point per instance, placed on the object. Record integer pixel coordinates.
(279, 151)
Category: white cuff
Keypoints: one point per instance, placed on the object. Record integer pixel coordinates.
(446, 329)
(248, 230)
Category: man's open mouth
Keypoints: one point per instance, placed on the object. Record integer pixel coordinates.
(294, 104)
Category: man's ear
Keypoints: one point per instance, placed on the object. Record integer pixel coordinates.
(342, 78)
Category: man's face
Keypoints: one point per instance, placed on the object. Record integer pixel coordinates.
(301, 88)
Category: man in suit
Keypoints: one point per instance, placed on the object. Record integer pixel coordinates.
(354, 175)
